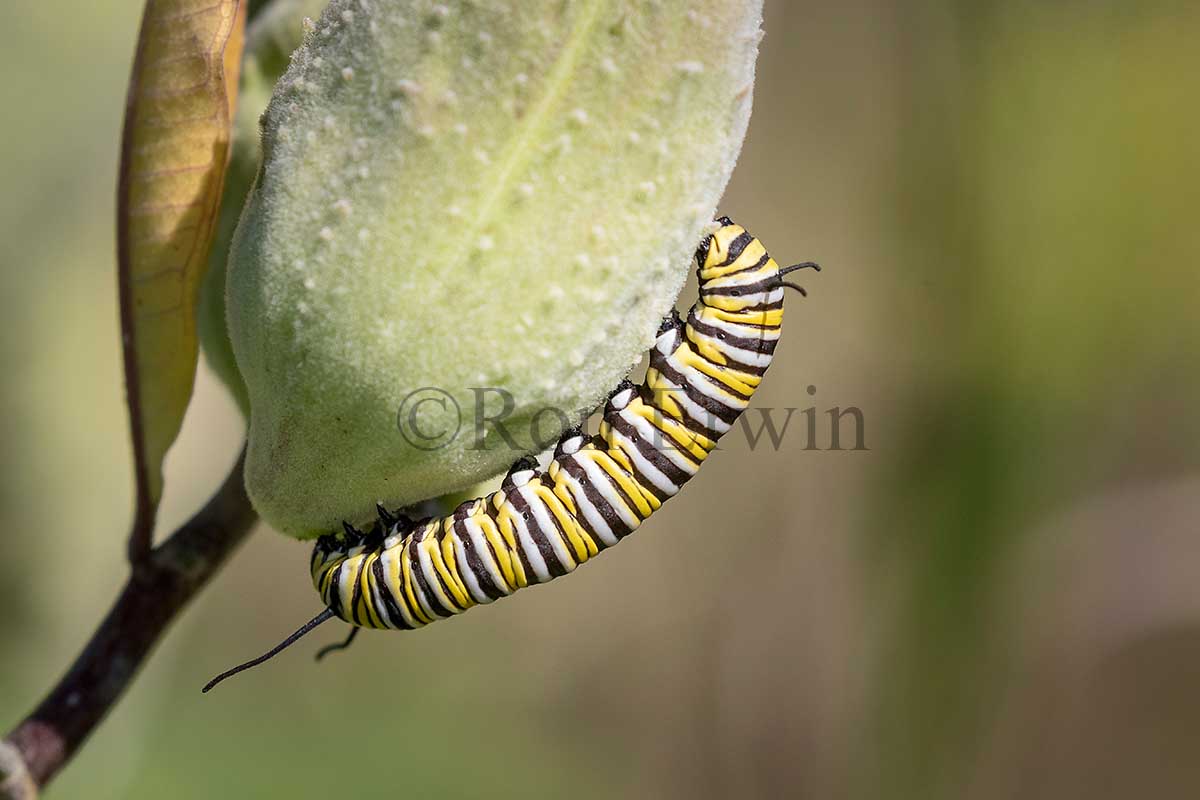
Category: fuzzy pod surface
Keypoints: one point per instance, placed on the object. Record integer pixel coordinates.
(469, 210)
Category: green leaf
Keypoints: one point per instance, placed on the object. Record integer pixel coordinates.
(468, 195)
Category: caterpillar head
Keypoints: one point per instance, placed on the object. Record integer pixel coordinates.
(735, 272)
(706, 243)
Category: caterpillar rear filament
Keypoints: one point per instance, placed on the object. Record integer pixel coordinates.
(653, 438)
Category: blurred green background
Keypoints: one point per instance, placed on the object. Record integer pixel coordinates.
(1000, 597)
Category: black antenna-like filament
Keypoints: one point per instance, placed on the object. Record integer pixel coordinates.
(324, 616)
(806, 265)
(331, 648)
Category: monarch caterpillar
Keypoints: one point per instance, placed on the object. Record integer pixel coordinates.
(405, 574)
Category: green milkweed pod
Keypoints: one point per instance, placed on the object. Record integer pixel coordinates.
(493, 203)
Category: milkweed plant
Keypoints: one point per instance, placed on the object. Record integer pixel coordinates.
(346, 205)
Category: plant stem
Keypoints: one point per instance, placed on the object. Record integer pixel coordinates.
(157, 590)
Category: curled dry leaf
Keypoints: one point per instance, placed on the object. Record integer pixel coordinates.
(174, 151)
